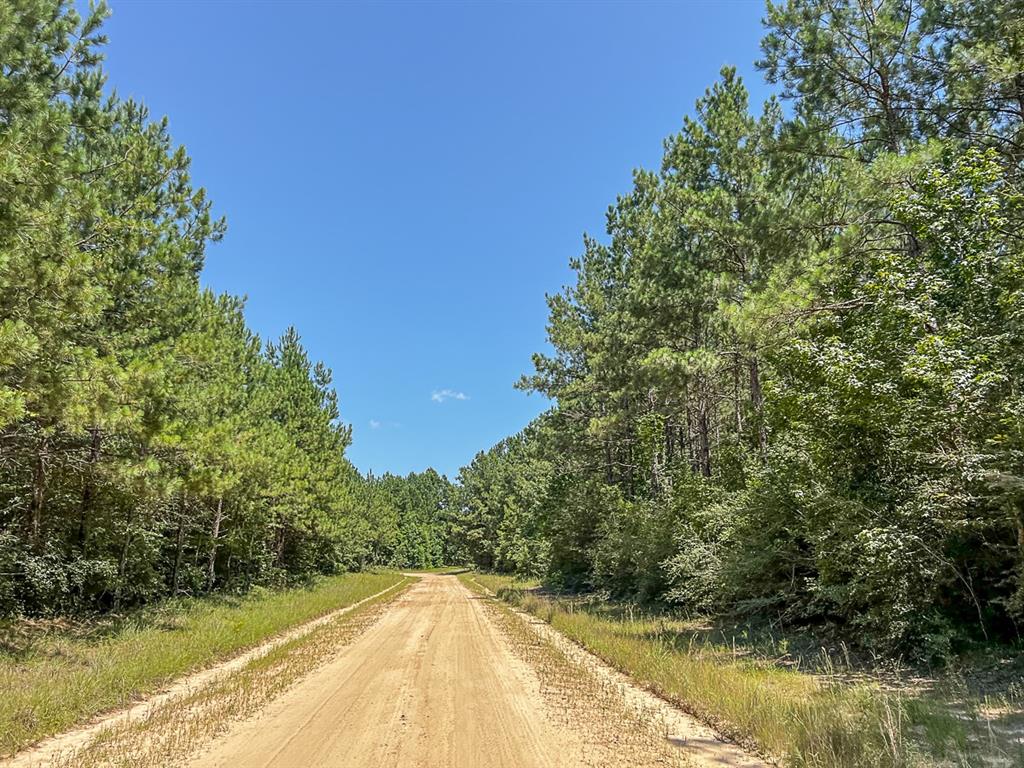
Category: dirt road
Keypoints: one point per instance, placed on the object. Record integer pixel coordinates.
(435, 682)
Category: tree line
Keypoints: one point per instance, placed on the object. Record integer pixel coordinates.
(788, 383)
(151, 444)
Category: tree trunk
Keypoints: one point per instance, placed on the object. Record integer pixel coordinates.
(122, 564)
(738, 407)
(37, 503)
(89, 487)
(669, 446)
(1020, 536)
(1018, 82)
(179, 545)
(757, 400)
(889, 110)
(629, 471)
(687, 432)
(691, 443)
(279, 545)
(704, 438)
(211, 562)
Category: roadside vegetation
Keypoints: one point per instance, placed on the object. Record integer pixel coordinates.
(799, 708)
(173, 733)
(611, 730)
(786, 388)
(151, 444)
(57, 674)
(787, 378)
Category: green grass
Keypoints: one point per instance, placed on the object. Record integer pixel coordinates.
(56, 676)
(174, 732)
(442, 570)
(822, 719)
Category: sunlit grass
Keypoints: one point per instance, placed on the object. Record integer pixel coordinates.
(797, 718)
(612, 729)
(440, 570)
(54, 680)
(179, 728)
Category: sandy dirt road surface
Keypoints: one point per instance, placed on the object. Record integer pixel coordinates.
(433, 684)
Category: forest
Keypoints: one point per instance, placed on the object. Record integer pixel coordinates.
(786, 382)
(151, 444)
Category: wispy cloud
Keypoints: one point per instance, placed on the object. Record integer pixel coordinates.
(374, 424)
(440, 395)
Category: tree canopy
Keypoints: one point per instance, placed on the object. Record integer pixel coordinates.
(788, 381)
(150, 443)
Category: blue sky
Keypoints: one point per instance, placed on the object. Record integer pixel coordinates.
(405, 182)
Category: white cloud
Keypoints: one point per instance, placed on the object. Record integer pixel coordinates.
(440, 395)
(374, 424)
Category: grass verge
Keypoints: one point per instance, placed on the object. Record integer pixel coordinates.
(605, 728)
(55, 677)
(173, 733)
(795, 718)
(442, 570)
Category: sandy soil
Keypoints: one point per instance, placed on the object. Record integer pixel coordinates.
(701, 745)
(54, 749)
(434, 683)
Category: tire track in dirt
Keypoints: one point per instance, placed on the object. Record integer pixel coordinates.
(57, 747)
(441, 681)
